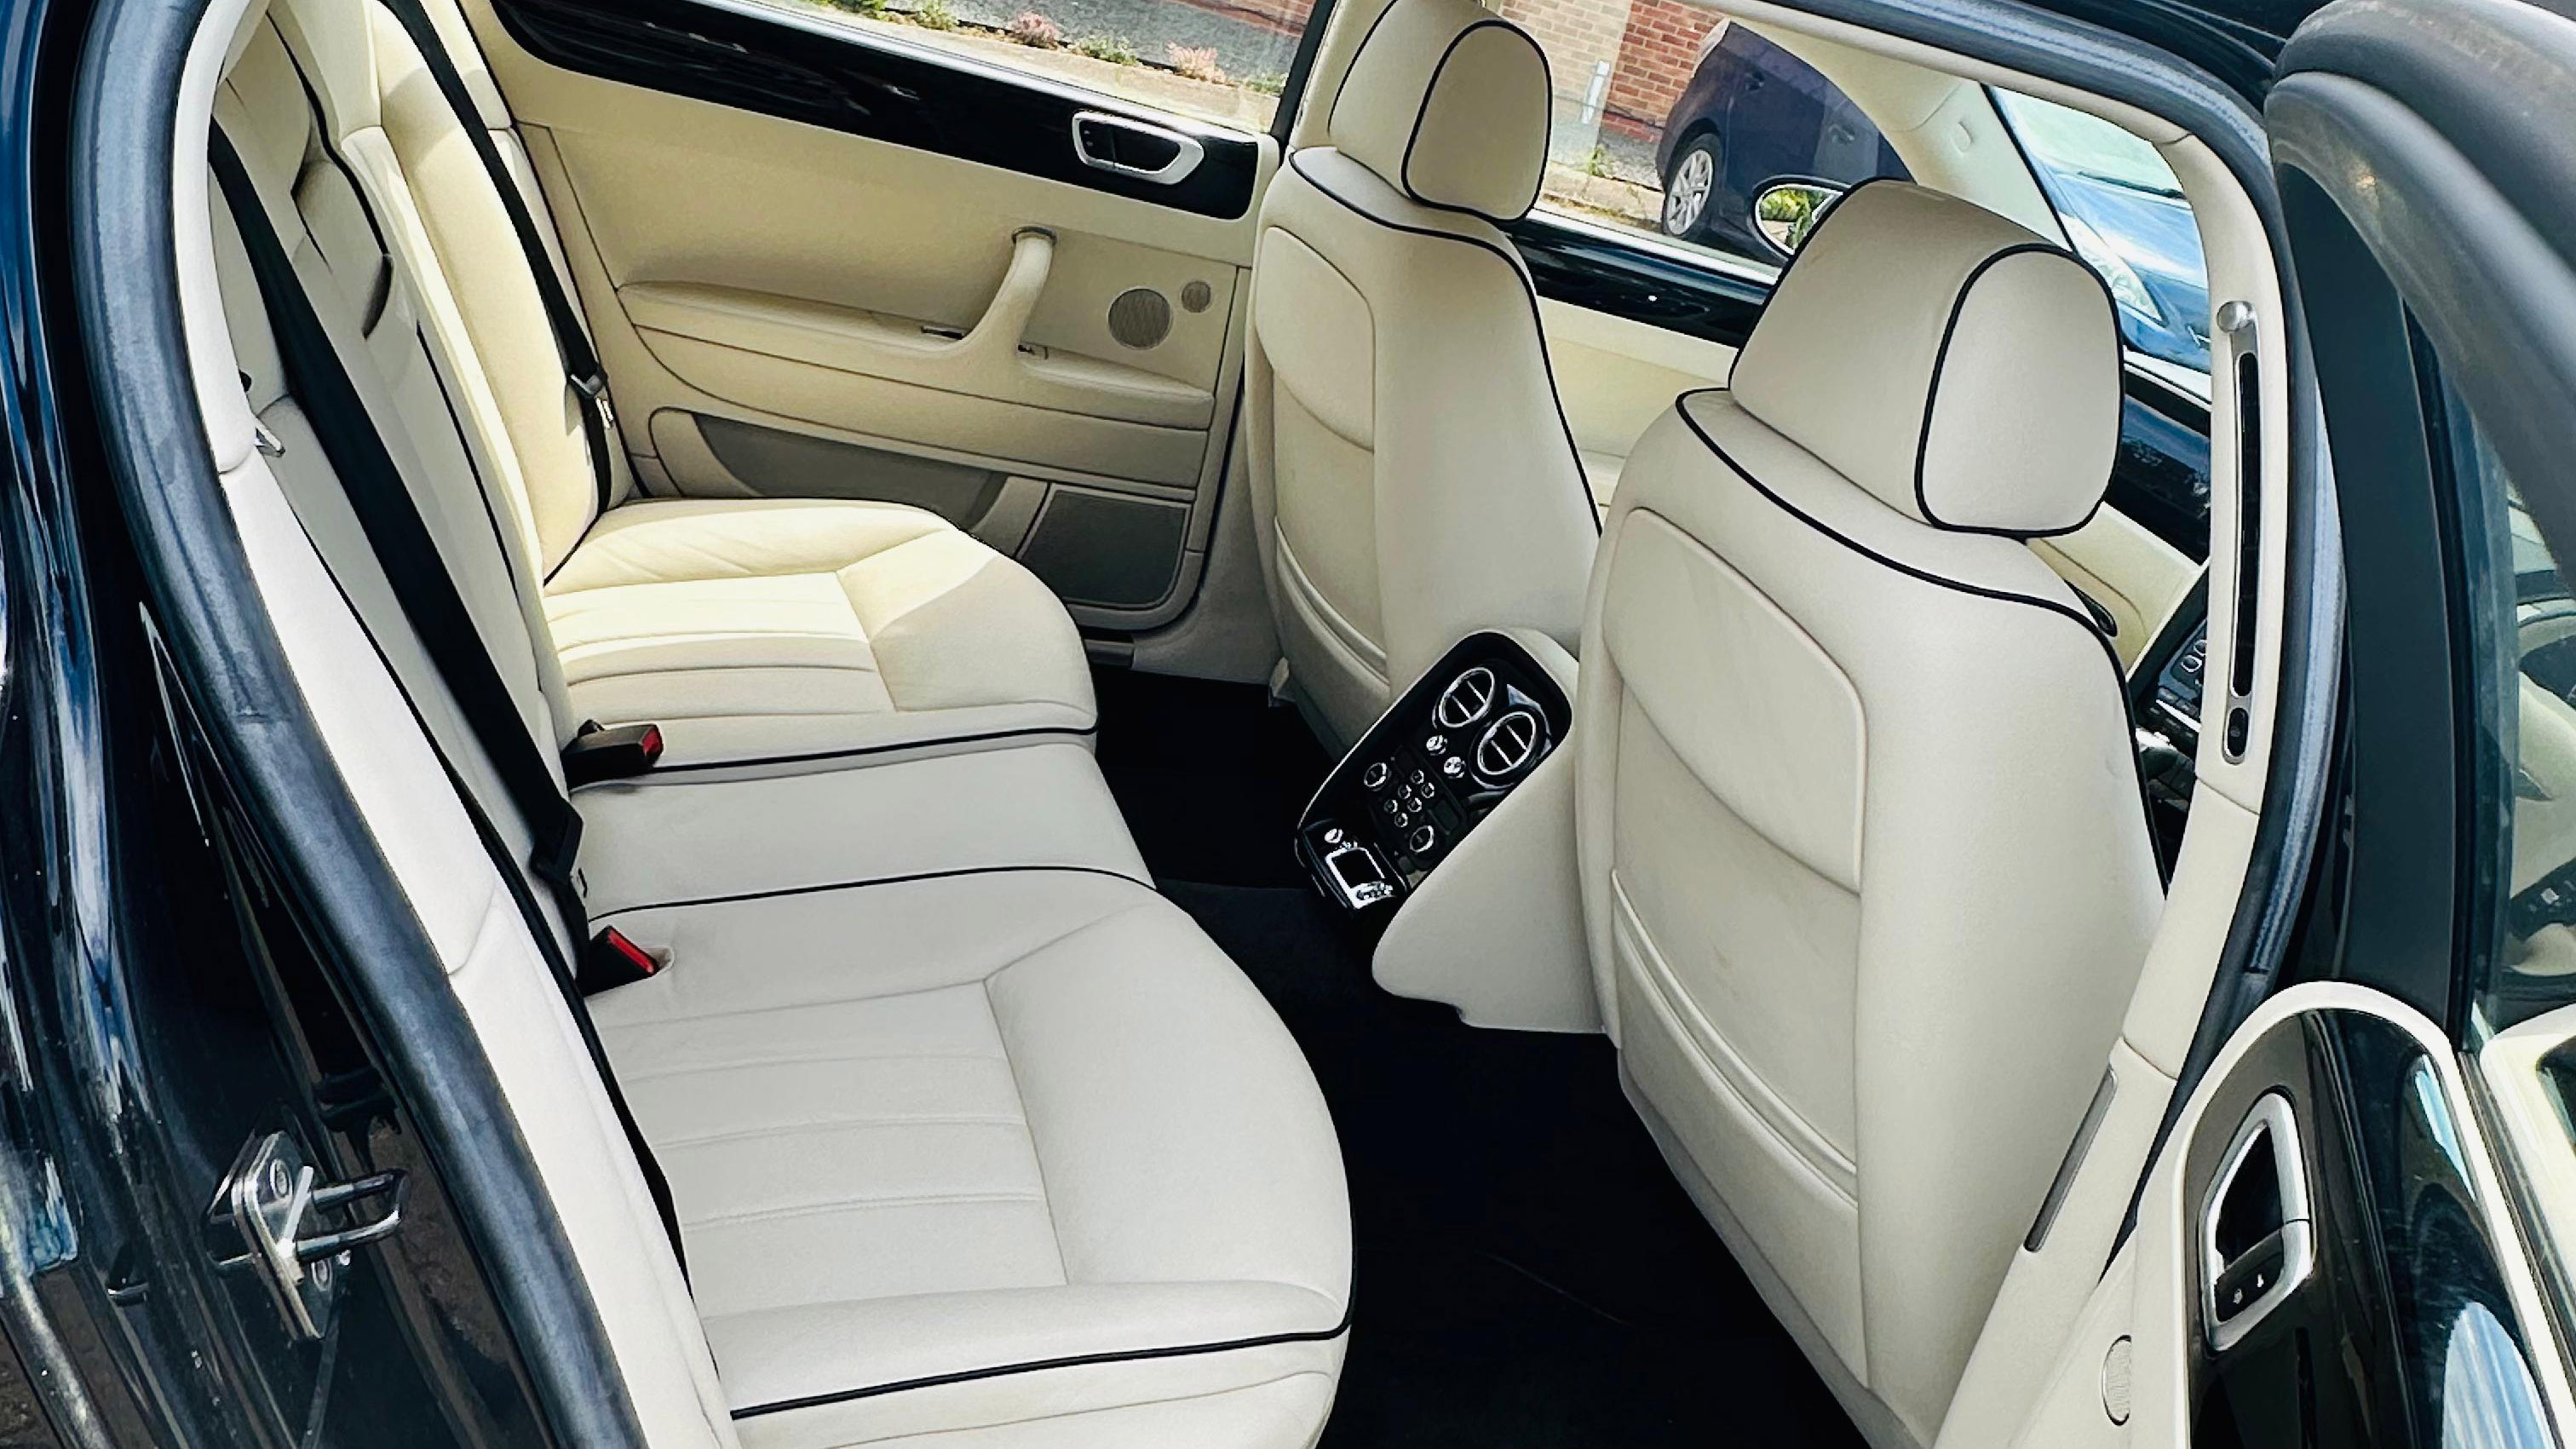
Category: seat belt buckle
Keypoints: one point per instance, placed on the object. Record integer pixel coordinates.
(612, 960)
(594, 386)
(597, 754)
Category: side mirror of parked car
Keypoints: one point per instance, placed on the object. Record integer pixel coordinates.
(1785, 211)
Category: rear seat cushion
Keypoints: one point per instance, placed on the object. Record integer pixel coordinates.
(670, 838)
(984, 1149)
(785, 628)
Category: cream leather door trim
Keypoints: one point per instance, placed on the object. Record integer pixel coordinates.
(2137, 577)
(658, 191)
(903, 413)
(989, 361)
(1615, 375)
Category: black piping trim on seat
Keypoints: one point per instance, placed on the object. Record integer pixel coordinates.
(1422, 112)
(2092, 631)
(1080, 1360)
(1941, 359)
(1538, 324)
(858, 751)
(1942, 356)
(826, 887)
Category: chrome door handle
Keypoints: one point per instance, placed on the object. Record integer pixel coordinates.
(2243, 1280)
(1135, 148)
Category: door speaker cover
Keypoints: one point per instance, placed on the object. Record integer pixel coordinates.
(1140, 317)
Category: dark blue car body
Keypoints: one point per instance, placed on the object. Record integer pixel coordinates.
(1771, 118)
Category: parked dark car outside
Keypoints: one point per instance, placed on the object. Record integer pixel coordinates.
(1752, 115)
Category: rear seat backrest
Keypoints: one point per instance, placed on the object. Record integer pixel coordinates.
(317, 212)
(370, 307)
(384, 112)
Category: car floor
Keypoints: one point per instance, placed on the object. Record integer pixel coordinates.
(1528, 1272)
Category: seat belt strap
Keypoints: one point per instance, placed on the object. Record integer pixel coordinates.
(404, 546)
(572, 344)
(409, 555)
(559, 967)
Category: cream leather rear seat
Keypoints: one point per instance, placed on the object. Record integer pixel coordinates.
(967, 1129)
(762, 629)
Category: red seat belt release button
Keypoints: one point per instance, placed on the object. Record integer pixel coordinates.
(613, 960)
(597, 754)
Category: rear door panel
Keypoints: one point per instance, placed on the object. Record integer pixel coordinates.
(2407, 1313)
(783, 230)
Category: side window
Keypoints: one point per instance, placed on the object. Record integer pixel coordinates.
(2124, 213)
(1221, 62)
(1675, 122)
(2511, 564)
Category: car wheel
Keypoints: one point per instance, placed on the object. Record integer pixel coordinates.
(1687, 189)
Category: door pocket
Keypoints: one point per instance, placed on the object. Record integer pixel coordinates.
(1106, 549)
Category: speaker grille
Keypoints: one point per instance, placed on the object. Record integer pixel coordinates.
(1196, 296)
(1140, 317)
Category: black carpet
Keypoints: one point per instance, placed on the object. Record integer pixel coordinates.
(1528, 1272)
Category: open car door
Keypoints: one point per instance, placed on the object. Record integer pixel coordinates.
(2354, 1231)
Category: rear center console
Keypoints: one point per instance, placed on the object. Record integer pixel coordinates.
(1430, 770)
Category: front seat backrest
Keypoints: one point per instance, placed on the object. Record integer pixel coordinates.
(1413, 478)
(1866, 871)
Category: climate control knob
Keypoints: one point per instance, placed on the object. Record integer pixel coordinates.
(1374, 777)
(1422, 839)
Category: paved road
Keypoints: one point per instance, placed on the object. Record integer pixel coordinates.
(1243, 47)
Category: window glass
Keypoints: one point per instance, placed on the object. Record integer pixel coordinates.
(1674, 123)
(2124, 213)
(2525, 623)
(1216, 60)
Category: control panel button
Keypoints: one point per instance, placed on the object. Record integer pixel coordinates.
(1453, 767)
(1374, 777)
(1393, 807)
(1422, 839)
(1416, 778)
(1435, 744)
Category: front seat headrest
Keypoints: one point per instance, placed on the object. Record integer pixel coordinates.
(1962, 369)
(1448, 103)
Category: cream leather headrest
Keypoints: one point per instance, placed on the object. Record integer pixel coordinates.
(1955, 364)
(1448, 103)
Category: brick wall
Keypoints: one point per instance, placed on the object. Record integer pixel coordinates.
(1579, 36)
(1576, 34)
(1656, 58)
(1652, 46)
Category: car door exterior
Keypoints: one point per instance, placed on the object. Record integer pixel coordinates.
(2355, 1231)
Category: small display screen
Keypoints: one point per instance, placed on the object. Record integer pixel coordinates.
(1357, 868)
